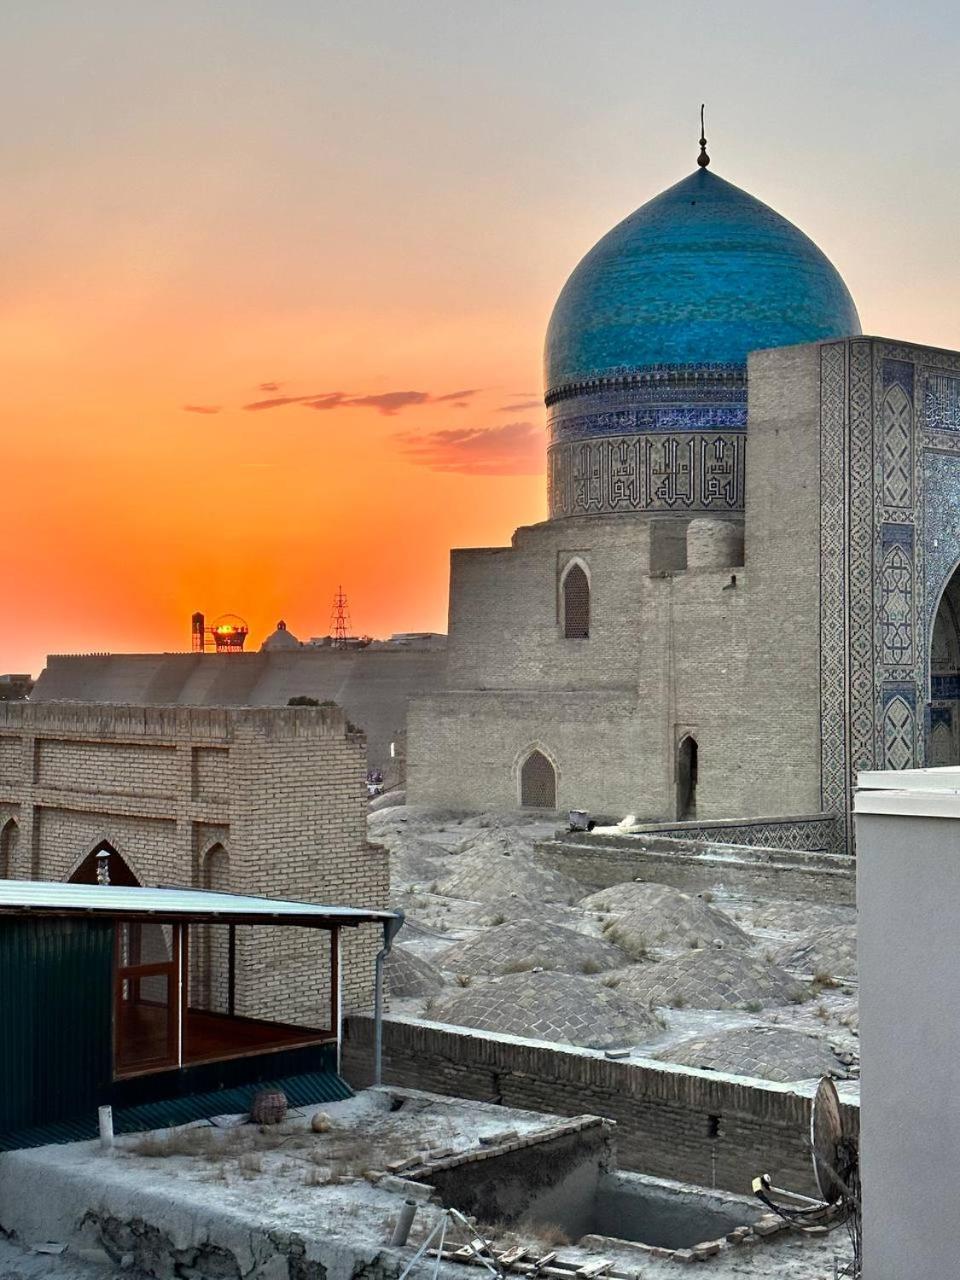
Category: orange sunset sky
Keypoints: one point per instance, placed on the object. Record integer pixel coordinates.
(276, 276)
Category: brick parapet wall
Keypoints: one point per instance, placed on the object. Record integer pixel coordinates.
(121, 722)
(672, 1122)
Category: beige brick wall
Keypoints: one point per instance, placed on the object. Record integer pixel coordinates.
(119, 768)
(11, 758)
(211, 774)
(277, 793)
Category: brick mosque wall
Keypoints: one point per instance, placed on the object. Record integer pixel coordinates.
(672, 1122)
(259, 801)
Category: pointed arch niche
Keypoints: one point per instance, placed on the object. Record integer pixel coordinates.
(688, 752)
(120, 872)
(575, 601)
(538, 781)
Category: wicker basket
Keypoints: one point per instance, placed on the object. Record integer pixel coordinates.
(269, 1106)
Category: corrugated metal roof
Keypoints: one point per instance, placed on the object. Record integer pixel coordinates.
(52, 898)
(302, 1091)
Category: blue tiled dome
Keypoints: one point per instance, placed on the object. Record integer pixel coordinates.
(700, 275)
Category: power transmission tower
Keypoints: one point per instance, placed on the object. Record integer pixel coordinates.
(339, 620)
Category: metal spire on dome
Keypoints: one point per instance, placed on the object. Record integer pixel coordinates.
(703, 159)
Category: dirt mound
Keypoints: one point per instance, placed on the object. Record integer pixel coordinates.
(523, 945)
(655, 915)
(558, 1007)
(711, 978)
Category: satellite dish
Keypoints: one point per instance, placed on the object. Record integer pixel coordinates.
(836, 1168)
(826, 1136)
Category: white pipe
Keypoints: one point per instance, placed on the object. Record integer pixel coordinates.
(105, 1120)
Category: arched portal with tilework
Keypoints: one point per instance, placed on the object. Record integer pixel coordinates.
(943, 728)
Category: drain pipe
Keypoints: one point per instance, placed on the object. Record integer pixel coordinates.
(391, 928)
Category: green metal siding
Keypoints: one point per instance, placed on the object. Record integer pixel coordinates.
(55, 1019)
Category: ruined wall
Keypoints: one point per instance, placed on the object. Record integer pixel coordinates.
(673, 1122)
(275, 797)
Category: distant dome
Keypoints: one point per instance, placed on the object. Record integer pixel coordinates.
(281, 638)
(645, 363)
(701, 274)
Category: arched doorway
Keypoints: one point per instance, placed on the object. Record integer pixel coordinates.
(538, 782)
(687, 754)
(117, 868)
(943, 730)
(9, 840)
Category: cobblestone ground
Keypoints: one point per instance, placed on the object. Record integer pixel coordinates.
(528, 944)
(766, 1053)
(656, 915)
(712, 978)
(830, 951)
(547, 1006)
(409, 975)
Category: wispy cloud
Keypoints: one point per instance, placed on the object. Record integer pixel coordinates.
(269, 386)
(520, 406)
(201, 408)
(277, 402)
(515, 449)
(388, 403)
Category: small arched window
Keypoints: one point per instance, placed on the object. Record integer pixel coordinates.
(117, 870)
(576, 604)
(538, 782)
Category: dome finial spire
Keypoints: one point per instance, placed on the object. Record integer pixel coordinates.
(703, 159)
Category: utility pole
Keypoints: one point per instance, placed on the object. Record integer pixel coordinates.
(339, 620)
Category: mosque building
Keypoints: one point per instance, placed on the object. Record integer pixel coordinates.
(746, 588)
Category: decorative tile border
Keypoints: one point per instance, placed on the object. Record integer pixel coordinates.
(889, 541)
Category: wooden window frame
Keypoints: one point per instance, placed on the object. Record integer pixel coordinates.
(173, 970)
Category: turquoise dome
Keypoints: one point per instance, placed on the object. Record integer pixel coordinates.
(699, 276)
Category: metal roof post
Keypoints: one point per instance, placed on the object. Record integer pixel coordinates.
(390, 930)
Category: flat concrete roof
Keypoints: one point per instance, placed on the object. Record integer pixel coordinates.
(52, 898)
(922, 793)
